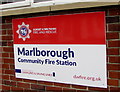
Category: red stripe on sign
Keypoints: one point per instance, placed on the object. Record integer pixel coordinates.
(85, 28)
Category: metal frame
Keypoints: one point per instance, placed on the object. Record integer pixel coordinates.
(57, 2)
(22, 4)
(30, 3)
(16, 4)
(40, 4)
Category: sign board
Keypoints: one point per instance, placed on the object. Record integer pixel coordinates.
(63, 48)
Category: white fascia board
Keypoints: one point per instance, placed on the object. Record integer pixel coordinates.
(57, 2)
(41, 4)
(108, 1)
(71, 1)
(13, 5)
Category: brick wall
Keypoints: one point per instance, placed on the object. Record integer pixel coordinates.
(8, 81)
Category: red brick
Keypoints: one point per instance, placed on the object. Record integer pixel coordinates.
(16, 89)
(0, 78)
(113, 67)
(3, 43)
(113, 51)
(9, 32)
(79, 87)
(82, 91)
(113, 35)
(19, 79)
(98, 89)
(6, 26)
(2, 32)
(26, 90)
(5, 66)
(114, 11)
(8, 20)
(1, 49)
(6, 37)
(1, 60)
(29, 81)
(113, 43)
(1, 81)
(114, 59)
(1, 71)
(0, 66)
(7, 49)
(12, 55)
(112, 82)
(10, 61)
(11, 83)
(37, 87)
(4, 87)
(9, 43)
(1, 56)
(114, 89)
(1, 87)
(5, 77)
(23, 85)
(3, 19)
(112, 19)
(12, 66)
(69, 90)
(62, 84)
(114, 27)
(114, 75)
(53, 89)
(5, 54)
(3, 25)
(9, 72)
(13, 78)
(45, 83)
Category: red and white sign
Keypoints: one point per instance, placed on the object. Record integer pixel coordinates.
(62, 48)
